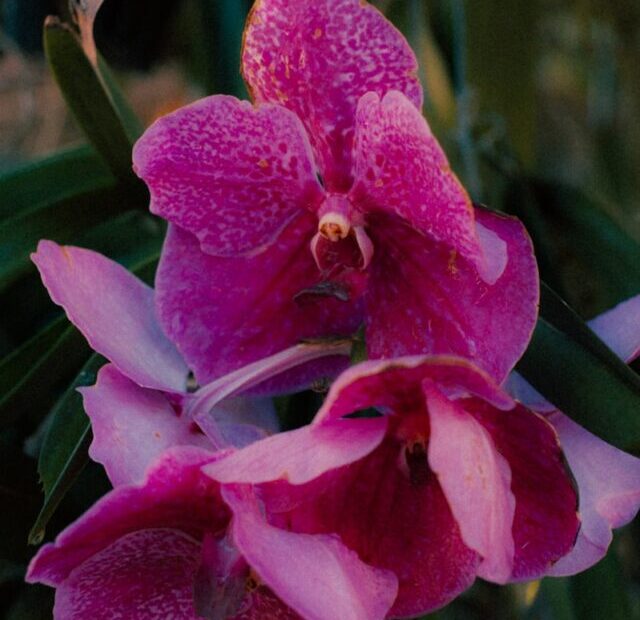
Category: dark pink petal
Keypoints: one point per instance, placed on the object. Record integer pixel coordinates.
(317, 58)
(314, 574)
(609, 489)
(224, 313)
(620, 328)
(114, 311)
(476, 480)
(301, 455)
(423, 298)
(396, 384)
(399, 167)
(175, 494)
(231, 174)
(132, 426)
(393, 520)
(546, 522)
(144, 575)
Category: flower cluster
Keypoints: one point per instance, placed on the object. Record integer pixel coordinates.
(325, 206)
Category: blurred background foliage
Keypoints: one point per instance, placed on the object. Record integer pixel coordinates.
(535, 101)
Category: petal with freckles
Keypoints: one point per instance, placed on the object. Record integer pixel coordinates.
(546, 522)
(609, 484)
(314, 574)
(144, 575)
(114, 311)
(317, 58)
(394, 521)
(175, 494)
(476, 481)
(231, 174)
(401, 168)
(300, 455)
(224, 313)
(423, 298)
(132, 426)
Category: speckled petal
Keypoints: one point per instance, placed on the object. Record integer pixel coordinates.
(114, 311)
(231, 174)
(546, 522)
(316, 575)
(132, 426)
(224, 313)
(400, 168)
(424, 298)
(144, 575)
(175, 494)
(318, 57)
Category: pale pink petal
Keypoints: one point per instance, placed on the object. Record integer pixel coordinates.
(400, 168)
(316, 575)
(396, 384)
(476, 480)
(232, 174)
(144, 575)
(609, 484)
(395, 520)
(225, 313)
(424, 298)
(317, 58)
(114, 311)
(620, 328)
(300, 455)
(546, 522)
(132, 426)
(175, 494)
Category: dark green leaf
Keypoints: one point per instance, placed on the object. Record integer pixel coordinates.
(579, 374)
(87, 98)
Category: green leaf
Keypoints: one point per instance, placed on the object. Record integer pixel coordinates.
(52, 179)
(579, 374)
(87, 98)
(64, 452)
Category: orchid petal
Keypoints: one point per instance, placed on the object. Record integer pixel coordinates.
(316, 575)
(233, 175)
(225, 313)
(317, 58)
(619, 328)
(445, 308)
(114, 311)
(132, 426)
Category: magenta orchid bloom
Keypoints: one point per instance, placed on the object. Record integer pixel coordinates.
(454, 481)
(327, 204)
(140, 399)
(165, 548)
(608, 479)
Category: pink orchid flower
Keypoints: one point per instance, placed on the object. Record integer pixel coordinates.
(140, 399)
(608, 479)
(166, 548)
(327, 203)
(455, 480)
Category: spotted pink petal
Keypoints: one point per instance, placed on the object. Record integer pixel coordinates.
(476, 480)
(423, 298)
(114, 311)
(132, 426)
(317, 58)
(546, 522)
(396, 384)
(224, 313)
(144, 575)
(300, 455)
(609, 484)
(231, 174)
(175, 494)
(400, 168)
(393, 521)
(316, 575)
